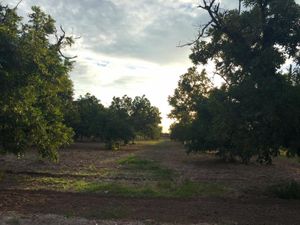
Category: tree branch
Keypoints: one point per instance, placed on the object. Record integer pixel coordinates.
(223, 77)
(60, 42)
(18, 4)
(199, 36)
(213, 10)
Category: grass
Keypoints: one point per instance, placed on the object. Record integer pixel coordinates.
(53, 183)
(168, 189)
(110, 212)
(134, 163)
(151, 142)
(193, 189)
(114, 189)
(156, 181)
(159, 182)
(163, 188)
(13, 221)
(286, 190)
(1, 175)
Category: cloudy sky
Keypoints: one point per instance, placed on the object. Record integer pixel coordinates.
(127, 46)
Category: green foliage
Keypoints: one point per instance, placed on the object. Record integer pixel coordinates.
(286, 190)
(256, 111)
(145, 118)
(134, 163)
(87, 117)
(34, 84)
(119, 124)
(188, 189)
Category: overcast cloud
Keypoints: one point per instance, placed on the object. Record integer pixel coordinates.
(127, 46)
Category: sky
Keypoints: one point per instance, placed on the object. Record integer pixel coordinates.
(127, 46)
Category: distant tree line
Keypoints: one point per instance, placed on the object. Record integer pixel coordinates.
(256, 111)
(122, 122)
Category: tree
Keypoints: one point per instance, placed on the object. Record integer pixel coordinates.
(119, 124)
(145, 118)
(256, 112)
(193, 87)
(139, 117)
(88, 117)
(34, 84)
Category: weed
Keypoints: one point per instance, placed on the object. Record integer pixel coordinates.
(13, 221)
(286, 190)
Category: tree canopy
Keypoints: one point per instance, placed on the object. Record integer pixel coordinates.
(35, 88)
(123, 121)
(256, 112)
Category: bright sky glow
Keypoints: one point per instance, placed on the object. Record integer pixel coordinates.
(127, 46)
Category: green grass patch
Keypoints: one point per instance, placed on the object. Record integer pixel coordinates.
(162, 188)
(110, 212)
(134, 163)
(53, 183)
(114, 189)
(192, 189)
(150, 142)
(188, 189)
(13, 221)
(286, 190)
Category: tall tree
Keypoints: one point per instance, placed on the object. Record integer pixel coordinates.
(34, 84)
(119, 124)
(145, 118)
(88, 118)
(257, 110)
(193, 87)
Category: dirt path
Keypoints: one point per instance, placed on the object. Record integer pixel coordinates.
(208, 210)
(246, 204)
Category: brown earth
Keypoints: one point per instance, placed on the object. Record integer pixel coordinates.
(246, 203)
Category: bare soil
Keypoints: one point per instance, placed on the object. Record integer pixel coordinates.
(246, 203)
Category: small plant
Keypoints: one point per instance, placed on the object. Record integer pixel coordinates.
(13, 221)
(286, 190)
(1, 175)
